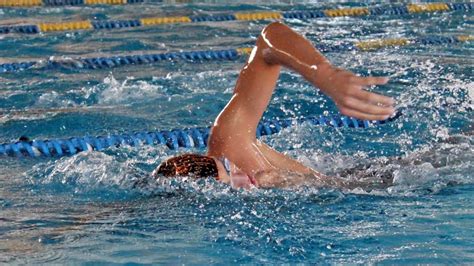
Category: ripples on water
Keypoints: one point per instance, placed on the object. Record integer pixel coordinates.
(106, 205)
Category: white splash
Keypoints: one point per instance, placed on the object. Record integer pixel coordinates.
(88, 171)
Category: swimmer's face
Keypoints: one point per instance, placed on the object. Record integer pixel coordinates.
(194, 165)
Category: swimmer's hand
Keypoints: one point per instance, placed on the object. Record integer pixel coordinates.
(347, 90)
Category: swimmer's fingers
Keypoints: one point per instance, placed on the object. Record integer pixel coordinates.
(361, 115)
(369, 81)
(354, 104)
(372, 98)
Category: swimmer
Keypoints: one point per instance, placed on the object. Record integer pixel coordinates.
(235, 156)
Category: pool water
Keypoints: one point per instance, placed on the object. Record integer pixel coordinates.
(103, 207)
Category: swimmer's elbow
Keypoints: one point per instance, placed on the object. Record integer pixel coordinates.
(271, 38)
(275, 28)
(272, 34)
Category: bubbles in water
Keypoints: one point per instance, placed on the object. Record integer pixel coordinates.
(116, 92)
(470, 90)
(54, 99)
(415, 175)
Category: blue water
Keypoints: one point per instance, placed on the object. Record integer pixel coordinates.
(103, 207)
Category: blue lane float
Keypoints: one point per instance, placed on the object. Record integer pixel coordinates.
(24, 29)
(173, 139)
(115, 24)
(120, 60)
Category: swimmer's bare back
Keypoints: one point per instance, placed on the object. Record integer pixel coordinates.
(234, 130)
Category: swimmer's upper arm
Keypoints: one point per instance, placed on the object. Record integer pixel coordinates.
(284, 162)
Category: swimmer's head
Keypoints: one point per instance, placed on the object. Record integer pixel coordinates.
(193, 165)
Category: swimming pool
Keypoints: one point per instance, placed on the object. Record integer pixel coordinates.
(88, 208)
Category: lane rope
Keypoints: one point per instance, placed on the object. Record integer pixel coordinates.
(173, 139)
(106, 62)
(391, 10)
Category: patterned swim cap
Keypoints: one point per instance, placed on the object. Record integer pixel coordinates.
(194, 165)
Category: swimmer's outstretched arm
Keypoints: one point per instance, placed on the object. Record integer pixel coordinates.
(234, 131)
(283, 46)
